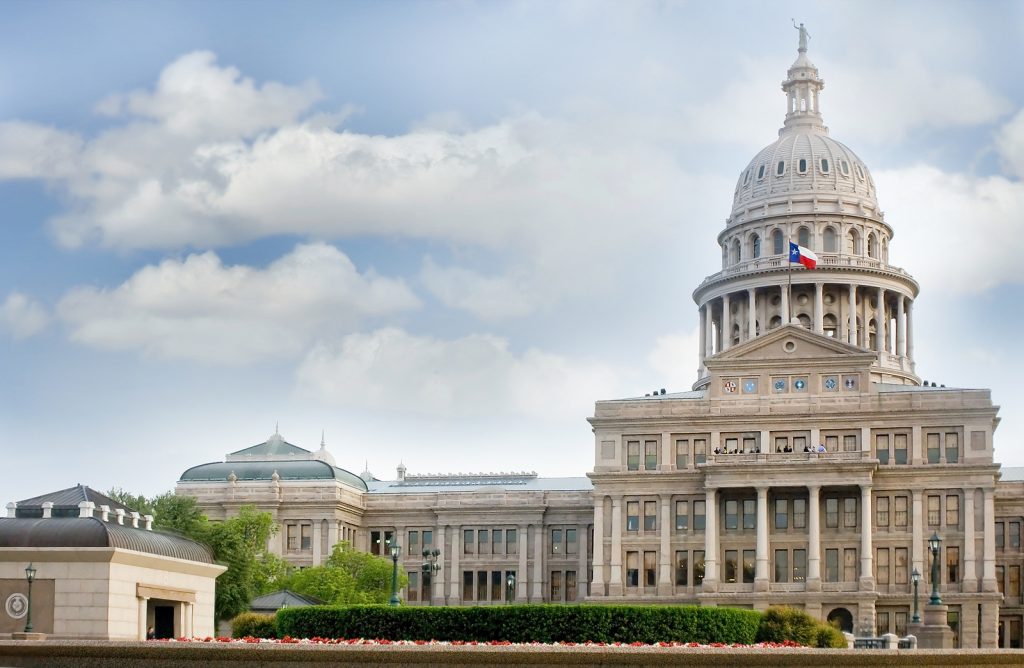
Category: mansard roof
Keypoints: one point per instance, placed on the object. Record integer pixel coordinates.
(65, 502)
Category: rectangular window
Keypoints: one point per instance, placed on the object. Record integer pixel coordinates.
(650, 455)
(901, 565)
(952, 447)
(901, 624)
(511, 544)
(732, 445)
(832, 512)
(882, 565)
(731, 514)
(850, 512)
(882, 448)
(881, 623)
(1014, 531)
(933, 448)
(682, 567)
(1014, 584)
(699, 515)
(293, 537)
(650, 515)
(414, 542)
(483, 542)
(749, 445)
(900, 514)
(413, 592)
(850, 443)
(632, 569)
(481, 585)
(650, 569)
(428, 538)
(799, 565)
(781, 444)
(307, 536)
(832, 443)
(570, 585)
(782, 565)
(899, 448)
(1000, 577)
(781, 515)
(469, 541)
(698, 567)
(799, 513)
(730, 565)
(700, 450)
(632, 516)
(556, 586)
(495, 541)
(748, 566)
(467, 585)
(633, 455)
(850, 564)
(952, 565)
(571, 544)
(556, 541)
(882, 512)
(799, 444)
(933, 511)
(749, 514)
(682, 515)
(952, 511)
(496, 585)
(831, 565)
(1000, 535)
(682, 453)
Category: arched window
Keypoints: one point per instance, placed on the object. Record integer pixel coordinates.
(755, 246)
(780, 168)
(872, 246)
(777, 242)
(735, 251)
(735, 335)
(760, 172)
(830, 325)
(805, 320)
(776, 321)
(804, 237)
(829, 240)
(824, 165)
(802, 166)
(853, 242)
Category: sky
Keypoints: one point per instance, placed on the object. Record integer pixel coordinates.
(436, 232)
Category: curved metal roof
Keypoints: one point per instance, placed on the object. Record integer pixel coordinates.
(93, 532)
(306, 469)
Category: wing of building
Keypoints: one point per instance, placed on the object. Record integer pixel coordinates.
(808, 466)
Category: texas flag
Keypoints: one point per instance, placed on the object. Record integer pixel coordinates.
(804, 256)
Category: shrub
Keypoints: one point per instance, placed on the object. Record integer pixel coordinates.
(525, 623)
(253, 624)
(781, 623)
(830, 636)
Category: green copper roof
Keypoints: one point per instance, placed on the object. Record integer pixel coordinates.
(275, 445)
(303, 469)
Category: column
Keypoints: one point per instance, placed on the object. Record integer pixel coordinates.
(751, 313)
(597, 586)
(143, 617)
(522, 577)
(814, 538)
(989, 624)
(179, 619)
(867, 557)
(880, 322)
(317, 538)
(819, 308)
(437, 584)
(901, 330)
(709, 334)
(703, 311)
(668, 452)
(665, 565)
(538, 563)
(761, 553)
(581, 568)
(189, 609)
(970, 567)
(332, 534)
(455, 594)
(615, 562)
(711, 540)
(726, 323)
(989, 554)
(910, 329)
(917, 535)
(786, 317)
(852, 331)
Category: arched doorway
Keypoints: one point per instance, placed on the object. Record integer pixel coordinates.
(841, 619)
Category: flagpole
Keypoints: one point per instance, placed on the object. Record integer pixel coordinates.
(789, 275)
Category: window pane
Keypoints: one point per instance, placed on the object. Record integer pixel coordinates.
(571, 544)
(632, 516)
(632, 569)
(953, 564)
(952, 511)
(832, 512)
(882, 448)
(882, 512)
(682, 453)
(933, 511)
(901, 565)
(481, 585)
(700, 450)
(933, 448)
(496, 585)
(781, 515)
(681, 569)
(556, 541)
(952, 447)
(570, 585)
(731, 511)
(698, 567)
(850, 564)
(831, 565)
(900, 448)
(467, 585)
(682, 515)
(799, 513)
(799, 565)
(511, 543)
(468, 538)
(556, 586)
(850, 512)
(748, 566)
(782, 565)
(730, 565)
(882, 565)
(749, 514)
(633, 455)
(900, 516)
(650, 455)
(650, 515)
(650, 569)
(699, 515)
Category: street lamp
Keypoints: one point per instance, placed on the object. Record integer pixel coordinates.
(510, 587)
(915, 577)
(396, 550)
(933, 547)
(431, 569)
(30, 575)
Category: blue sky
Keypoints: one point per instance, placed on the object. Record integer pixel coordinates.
(438, 231)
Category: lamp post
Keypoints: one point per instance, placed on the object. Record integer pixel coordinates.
(933, 547)
(30, 575)
(431, 568)
(510, 587)
(915, 577)
(396, 550)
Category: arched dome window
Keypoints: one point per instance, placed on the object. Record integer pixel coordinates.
(802, 166)
(829, 240)
(830, 325)
(735, 251)
(777, 242)
(760, 172)
(780, 168)
(853, 242)
(824, 165)
(804, 237)
(746, 177)
(872, 246)
(805, 320)
(776, 321)
(844, 167)
(755, 246)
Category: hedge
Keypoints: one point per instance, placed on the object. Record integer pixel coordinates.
(781, 623)
(253, 624)
(525, 623)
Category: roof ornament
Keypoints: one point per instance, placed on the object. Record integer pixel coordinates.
(804, 35)
(323, 442)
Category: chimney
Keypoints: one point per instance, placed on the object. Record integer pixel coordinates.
(105, 513)
(149, 522)
(401, 472)
(120, 515)
(85, 508)
(135, 518)
(47, 509)
(12, 509)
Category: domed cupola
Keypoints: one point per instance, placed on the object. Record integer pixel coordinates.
(809, 189)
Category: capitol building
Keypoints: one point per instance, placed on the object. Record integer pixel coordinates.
(808, 465)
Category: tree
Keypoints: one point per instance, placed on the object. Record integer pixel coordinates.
(238, 543)
(180, 514)
(136, 502)
(271, 573)
(348, 577)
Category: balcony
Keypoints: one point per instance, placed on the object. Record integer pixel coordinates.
(788, 457)
(825, 260)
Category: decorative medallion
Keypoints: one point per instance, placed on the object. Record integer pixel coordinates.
(799, 384)
(750, 386)
(17, 606)
(779, 385)
(850, 382)
(831, 383)
(729, 386)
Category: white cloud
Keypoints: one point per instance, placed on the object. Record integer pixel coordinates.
(400, 373)
(674, 357)
(22, 316)
(32, 151)
(198, 308)
(488, 297)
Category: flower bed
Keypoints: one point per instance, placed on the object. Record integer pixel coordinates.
(470, 643)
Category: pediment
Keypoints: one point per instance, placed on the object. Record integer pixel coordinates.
(791, 343)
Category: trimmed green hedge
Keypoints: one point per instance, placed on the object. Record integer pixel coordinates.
(781, 623)
(525, 623)
(253, 624)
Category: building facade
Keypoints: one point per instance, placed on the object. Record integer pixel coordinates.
(808, 466)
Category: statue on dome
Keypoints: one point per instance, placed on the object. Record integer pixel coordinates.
(803, 35)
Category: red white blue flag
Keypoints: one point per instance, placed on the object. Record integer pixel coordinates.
(804, 256)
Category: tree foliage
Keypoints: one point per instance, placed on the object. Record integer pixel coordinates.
(348, 577)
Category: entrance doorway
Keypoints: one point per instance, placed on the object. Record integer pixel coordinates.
(841, 619)
(163, 621)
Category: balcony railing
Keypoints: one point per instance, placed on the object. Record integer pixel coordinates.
(824, 259)
(787, 457)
